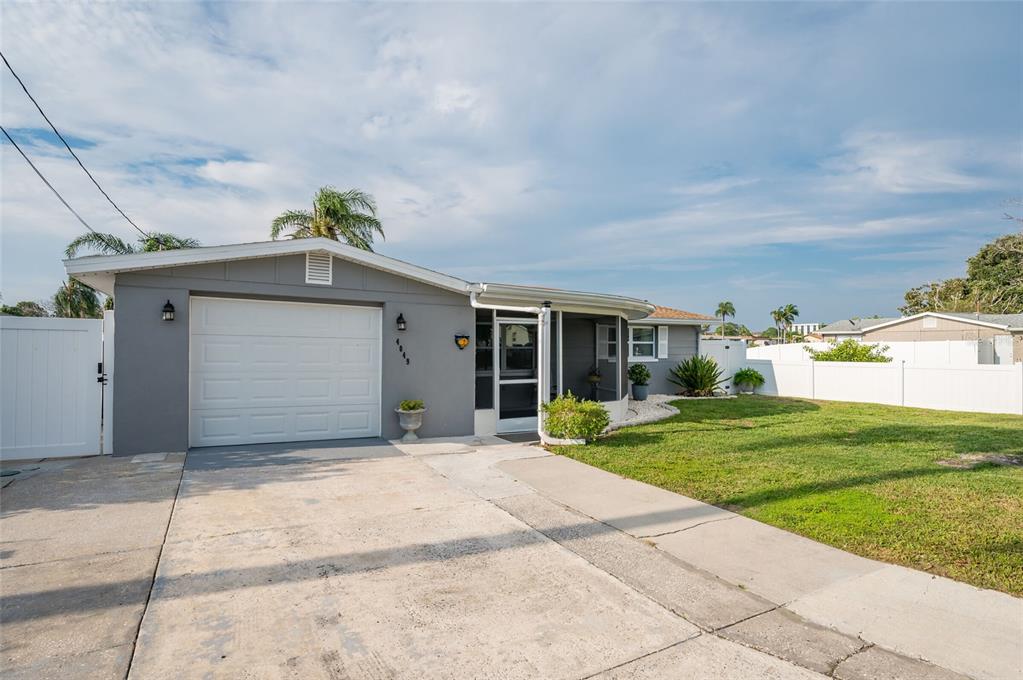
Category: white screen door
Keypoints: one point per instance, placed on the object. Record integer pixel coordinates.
(517, 375)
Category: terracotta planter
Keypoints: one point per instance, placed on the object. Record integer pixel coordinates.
(410, 421)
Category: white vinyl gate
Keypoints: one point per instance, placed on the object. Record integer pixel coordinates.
(50, 395)
(730, 356)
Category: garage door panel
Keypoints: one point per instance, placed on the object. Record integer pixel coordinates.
(284, 319)
(215, 427)
(265, 372)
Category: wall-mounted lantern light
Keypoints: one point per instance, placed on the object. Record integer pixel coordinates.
(401, 322)
(168, 312)
(462, 341)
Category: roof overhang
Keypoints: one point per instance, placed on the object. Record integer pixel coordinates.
(653, 320)
(563, 300)
(936, 315)
(99, 271)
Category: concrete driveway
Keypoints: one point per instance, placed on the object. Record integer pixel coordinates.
(359, 560)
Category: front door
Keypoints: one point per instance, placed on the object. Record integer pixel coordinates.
(517, 375)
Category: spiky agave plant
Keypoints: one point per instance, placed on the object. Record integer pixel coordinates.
(698, 376)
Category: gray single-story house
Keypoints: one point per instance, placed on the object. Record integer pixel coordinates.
(311, 339)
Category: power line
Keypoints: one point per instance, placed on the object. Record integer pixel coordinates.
(47, 182)
(70, 150)
(67, 205)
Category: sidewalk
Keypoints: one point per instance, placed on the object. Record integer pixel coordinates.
(814, 606)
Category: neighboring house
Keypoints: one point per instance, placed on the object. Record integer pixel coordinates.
(803, 328)
(1003, 332)
(662, 340)
(310, 339)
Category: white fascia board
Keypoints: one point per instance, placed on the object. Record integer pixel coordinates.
(566, 300)
(937, 315)
(85, 268)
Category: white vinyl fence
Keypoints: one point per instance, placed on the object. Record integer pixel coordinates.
(50, 398)
(985, 389)
(931, 352)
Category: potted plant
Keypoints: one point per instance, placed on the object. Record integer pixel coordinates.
(593, 377)
(639, 374)
(747, 380)
(410, 417)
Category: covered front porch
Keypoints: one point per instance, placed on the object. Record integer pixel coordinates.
(525, 358)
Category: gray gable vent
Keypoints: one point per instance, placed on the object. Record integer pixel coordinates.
(319, 268)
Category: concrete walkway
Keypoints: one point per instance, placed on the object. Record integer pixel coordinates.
(812, 605)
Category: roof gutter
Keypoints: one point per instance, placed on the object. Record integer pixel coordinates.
(478, 288)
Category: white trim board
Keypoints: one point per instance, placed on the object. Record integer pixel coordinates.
(98, 270)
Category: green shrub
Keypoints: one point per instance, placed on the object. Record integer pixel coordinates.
(851, 350)
(698, 376)
(748, 376)
(639, 374)
(411, 405)
(569, 417)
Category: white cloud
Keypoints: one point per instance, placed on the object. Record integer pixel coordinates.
(901, 164)
(713, 187)
(240, 173)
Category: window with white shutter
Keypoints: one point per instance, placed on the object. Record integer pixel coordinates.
(662, 342)
(319, 268)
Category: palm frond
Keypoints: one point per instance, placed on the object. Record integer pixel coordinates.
(291, 220)
(75, 300)
(156, 240)
(104, 244)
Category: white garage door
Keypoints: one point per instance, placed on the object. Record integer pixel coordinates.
(282, 371)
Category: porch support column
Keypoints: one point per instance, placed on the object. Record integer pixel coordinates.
(543, 364)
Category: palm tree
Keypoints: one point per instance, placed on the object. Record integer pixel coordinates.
(75, 295)
(108, 244)
(75, 300)
(725, 309)
(789, 314)
(779, 320)
(348, 216)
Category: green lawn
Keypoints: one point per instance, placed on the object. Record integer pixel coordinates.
(861, 477)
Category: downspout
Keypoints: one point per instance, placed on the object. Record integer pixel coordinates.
(543, 315)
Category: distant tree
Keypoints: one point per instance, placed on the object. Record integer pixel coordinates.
(771, 332)
(348, 216)
(778, 316)
(850, 350)
(75, 300)
(993, 283)
(24, 308)
(725, 309)
(732, 328)
(788, 314)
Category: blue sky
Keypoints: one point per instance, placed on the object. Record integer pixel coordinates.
(829, 155)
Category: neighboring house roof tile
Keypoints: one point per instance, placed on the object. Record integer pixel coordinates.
(671, 313)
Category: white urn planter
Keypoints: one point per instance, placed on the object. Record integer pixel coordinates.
(410, 421)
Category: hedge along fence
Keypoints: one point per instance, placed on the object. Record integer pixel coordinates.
(978, 388)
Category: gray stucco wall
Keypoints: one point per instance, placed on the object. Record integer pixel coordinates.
(681, 345)
(151, 356)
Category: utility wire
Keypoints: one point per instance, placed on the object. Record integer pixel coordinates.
(47, 182)
(102, 237)
(71, 151)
